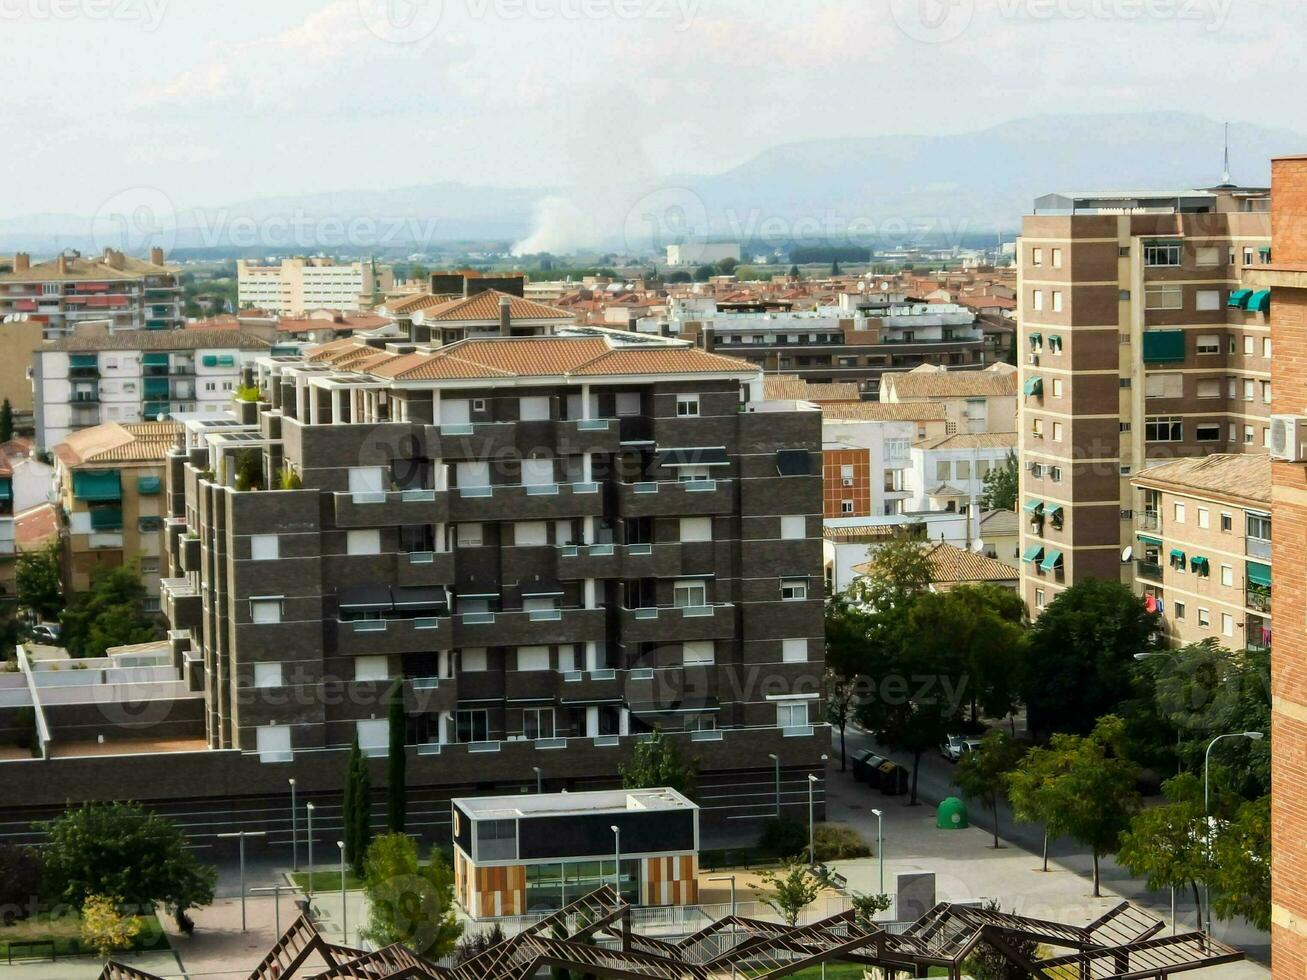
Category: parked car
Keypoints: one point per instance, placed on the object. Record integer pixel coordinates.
(956, 746)
(47, 633)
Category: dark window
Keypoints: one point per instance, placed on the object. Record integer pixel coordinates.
(794, 462)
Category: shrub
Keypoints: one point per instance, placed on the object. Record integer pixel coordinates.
(783, 837)
(836, 842)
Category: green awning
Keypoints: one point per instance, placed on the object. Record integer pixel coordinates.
(6, 489)
(1052, 561)
(1260, 301)
(209, 360)
(1054, 512)
(1033, 553)
(1238, 299)
(149, 484)
(1033, 506)
(1161, 346)
(156, 388)
(83, 360)
(108, 519)
(1177, 556)
(92, 485)
(1265, 250)
(154, 360)
(1033, 386)
(1259, 574)
(1146, 539)
(1199, 564)
(1036, 339)
(1055, 340)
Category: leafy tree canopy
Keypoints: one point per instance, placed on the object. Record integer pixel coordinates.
(408, 902)
(38, 582)
(657, 762)
(1000, 491)
(110, 613)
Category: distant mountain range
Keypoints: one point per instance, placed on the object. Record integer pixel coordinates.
(889, 189)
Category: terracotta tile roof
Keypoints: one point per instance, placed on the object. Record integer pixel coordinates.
(861, 533)
(948, 384)
(884, 412)
(79, 268)
(406, 305)
(1246, 476)
(670, 360)
(484, 308)
(951, 565)
(790, 386)
(35, 526)
(972, 440)
(999, 523)
(118, 442)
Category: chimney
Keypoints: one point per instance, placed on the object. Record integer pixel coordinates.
(22, 261)
(505, 316)
(61, 264)
(156, 256)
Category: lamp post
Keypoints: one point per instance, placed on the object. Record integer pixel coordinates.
(275, 891)
(241, 835)
(880, 846)
(539, 780)
(308, 808)
(617, 855)
(294, 836)
(812, 834)
(1207, 823)
(731, 879)
(777, 759)
(344, 906)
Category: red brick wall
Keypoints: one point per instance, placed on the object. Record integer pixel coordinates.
(833, 487)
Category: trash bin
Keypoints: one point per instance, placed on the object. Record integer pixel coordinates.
(952, 814)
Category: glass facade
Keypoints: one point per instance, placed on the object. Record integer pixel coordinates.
(551, 886)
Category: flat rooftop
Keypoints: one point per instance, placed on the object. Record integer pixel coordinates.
(572, 804)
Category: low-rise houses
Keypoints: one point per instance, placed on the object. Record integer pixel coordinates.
(948, 473)
(974, 401)
(951, 567)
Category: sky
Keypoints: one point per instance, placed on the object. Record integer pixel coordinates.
(215, 101)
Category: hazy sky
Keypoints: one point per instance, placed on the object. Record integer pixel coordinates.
(214, 101)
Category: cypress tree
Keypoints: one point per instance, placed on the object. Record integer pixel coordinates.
(348, 805)
(6, 421)
(362, 813)
(396, 788)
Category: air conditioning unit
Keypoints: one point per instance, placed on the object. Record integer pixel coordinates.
(1287, 435)
(847, 481)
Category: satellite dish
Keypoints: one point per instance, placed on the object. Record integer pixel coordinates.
(884, 287)
(1127, 554)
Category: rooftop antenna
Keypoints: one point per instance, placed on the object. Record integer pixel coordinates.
(1225, 175)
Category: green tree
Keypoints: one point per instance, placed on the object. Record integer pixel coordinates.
(1087, 783)
(1166, 845)
(841, 703)
(988, 962)
(123, 850)
(983, 775)
(704, 273)
(726, 266)
(249, 470)
(38, 581)
(357, 808)
(396, 761)
(110, 613)
(835, 268)
(22, 871)
(1029, 791)
(867, 907)
(1081, 659)
(795, 273)
(6, 421)
(790, 891)
(409, 902)
(1241, 865)
(1000, 492)
(656, 762)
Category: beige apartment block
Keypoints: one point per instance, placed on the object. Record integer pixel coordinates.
(299, 285)
(1203, 548)
(1138, 341)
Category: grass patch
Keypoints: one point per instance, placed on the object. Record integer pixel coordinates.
(325, 881)
(836, 842)
(35, 937)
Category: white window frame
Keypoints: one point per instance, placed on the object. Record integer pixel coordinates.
(265, 547)
(268, 674)
(794, 589)
(794, 651)
(687, 406)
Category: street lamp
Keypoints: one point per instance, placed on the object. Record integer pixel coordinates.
(880, 845)
(294, 836)
(344, 906)
(539, 780)
(308, 807)
(777, 759)
(617, 855)
(1207, 824)
(241, 835)
(812, 834)
(275, 891)
(731, 879)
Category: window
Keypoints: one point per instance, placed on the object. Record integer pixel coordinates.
(791, 714)
(1037, 470)
(1162, 253)
(265, 610)
(1207, 256)
(473, 473)
(1206, 300)
(537, 472)
(1037, 428)
(687, 405)
(533, 408)
(472, 725)
(267, 675)
(696, 528)
(1208, 388)
(628, 403)
(367, 480)
(698, 653)
(264, 547)
(1249, 435)
(1233, 345)
(1204, 617)
(1227, 624)
(1208, 343)
(963, 468)
(794, 527)
(1163, 429)
(373, 668)
(1227, 575)
(1259, 526)
(944, 469)
(1210, 432)
(1178, 513)
(1247, 256)
(1037, 300)
(533, 658)
(1266, 392)
(273, 743)
(1204, 517)
(536, 723)
(1055, 474)
(1163, 298)
(793, 589)
(1037, 256)
(1039, 598)
(1266, 347)
(689, 593)
(846, 506)
(363, 542)
(1057, 387)
(794, 651)
(474, 660)
(469, 536)
(1227, 524)
(1168, 385)
(530, 534)
(1057, 301)
(1057, 258)
(1057, 431)
(1249, 345)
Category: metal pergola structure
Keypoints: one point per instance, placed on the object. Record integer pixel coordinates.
(593, 936)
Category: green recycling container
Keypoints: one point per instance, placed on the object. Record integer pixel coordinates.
(952, 814)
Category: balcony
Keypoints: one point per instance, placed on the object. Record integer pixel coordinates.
(531, 685)
(424, 568)
(1257, 635)
(1257, 548)
(1149, 570)
(530, 628)
(430, 694)
(189, 552)
(183, 606)
(658, 623)
(1259, 599)
(364, 637)
(1148, 520)
(671, 498)
(586, 436)
(526, 502)
(392, 508)
(592, 686)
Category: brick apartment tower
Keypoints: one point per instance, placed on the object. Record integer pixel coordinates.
(1139, 340)
(1287, 277)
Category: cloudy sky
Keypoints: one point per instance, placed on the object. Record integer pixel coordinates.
(220, 101)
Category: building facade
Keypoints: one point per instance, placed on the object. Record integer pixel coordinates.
(95, 376)
(126, 292)
(1139, 341)
(949, 473)
(109, 485)
(299, 285)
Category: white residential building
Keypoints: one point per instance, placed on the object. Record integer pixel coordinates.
(299, 285)
(949, 473)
